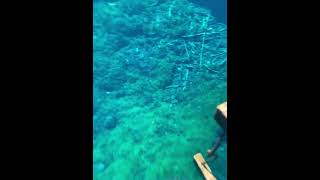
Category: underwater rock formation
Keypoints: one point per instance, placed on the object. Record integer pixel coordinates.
(105, 121)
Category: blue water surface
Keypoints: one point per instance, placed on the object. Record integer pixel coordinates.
(160, 70)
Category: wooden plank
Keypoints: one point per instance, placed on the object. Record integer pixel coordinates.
(205, 169)
(223, 109)
(221, 115)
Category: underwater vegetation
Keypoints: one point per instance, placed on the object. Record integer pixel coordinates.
(159, 72)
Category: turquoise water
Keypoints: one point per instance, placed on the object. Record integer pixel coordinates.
(160, 70)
